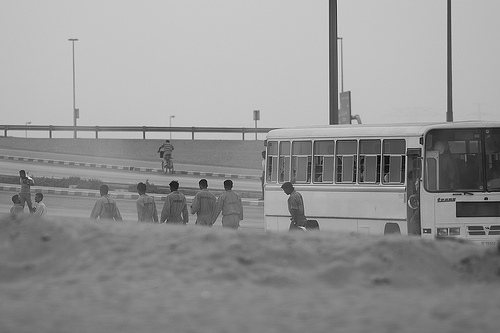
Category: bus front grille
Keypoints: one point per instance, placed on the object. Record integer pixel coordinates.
(479, 230)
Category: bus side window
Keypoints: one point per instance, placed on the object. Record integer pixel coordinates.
(393, 157)
(369, 161)
(272, 161)
(346, 161)
(284, 162)
(323, 161)
(301, 161)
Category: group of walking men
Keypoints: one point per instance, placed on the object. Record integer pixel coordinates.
(175, 210)
(205, 205)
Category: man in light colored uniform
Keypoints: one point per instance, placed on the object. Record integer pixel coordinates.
(105, 207)
(175, 207)
(229, 203)
(203, 204)
(146, 206)
(17, 208)
(40, 209)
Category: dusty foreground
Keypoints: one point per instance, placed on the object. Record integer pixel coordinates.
(70, 275)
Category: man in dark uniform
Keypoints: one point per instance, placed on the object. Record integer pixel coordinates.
(295, 207)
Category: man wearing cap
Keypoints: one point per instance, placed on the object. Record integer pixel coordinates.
(295, 207)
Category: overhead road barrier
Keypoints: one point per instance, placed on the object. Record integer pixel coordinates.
(143, 129)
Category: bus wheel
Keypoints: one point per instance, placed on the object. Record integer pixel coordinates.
(312, 225)
(392, 228)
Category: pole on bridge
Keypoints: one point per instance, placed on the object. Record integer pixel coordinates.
(73, 40)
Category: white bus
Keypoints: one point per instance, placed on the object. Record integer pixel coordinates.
(434, 180)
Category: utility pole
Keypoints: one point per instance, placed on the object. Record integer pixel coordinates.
(449, 111)
(341, 63)
(26, 130)
(73, 40)
(170, 124)
(334, 66)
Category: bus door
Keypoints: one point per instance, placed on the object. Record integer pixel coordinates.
(413, 180)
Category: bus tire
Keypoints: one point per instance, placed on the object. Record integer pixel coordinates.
(312, 225)
(392, 228)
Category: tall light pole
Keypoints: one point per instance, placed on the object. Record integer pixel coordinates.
(341, 64)
(334, 65)
(26, 130)
(449, 111)
(73, 40)
(170, 125)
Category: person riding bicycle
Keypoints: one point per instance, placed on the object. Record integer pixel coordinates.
(165, 151)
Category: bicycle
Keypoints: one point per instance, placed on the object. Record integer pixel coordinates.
(167, 165)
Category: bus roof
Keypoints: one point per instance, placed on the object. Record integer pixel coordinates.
(373, 130)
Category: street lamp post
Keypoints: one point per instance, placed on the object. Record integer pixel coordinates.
(73, 40)
(341, 64)
(170, 125)
(26, 130)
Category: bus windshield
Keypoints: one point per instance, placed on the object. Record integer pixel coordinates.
(462, 160)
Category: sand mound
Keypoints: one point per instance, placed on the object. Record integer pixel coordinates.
(63, 275)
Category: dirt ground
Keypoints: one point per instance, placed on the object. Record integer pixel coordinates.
(72, 275)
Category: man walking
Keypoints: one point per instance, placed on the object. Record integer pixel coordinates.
(105, 207)
(175, 207)
(229, 203)
(295, 207)
(203, 204)
(262, 177)
(146, 206)
(25, 194)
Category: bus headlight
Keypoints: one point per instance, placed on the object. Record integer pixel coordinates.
(444, 232)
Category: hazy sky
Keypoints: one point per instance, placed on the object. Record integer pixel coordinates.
(212, 62)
